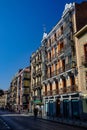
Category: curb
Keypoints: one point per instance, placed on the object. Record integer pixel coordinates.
(73, 123)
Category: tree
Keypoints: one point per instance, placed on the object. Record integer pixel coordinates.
(1, 92)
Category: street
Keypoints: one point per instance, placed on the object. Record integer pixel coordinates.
(25, 122)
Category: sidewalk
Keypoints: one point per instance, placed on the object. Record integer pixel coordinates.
(71, 122)
(78, 123)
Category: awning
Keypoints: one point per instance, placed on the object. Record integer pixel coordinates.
(37, 102)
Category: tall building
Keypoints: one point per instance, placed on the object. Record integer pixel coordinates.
(61, 89)
(18, 98)
(3, 100)
(81, 51)
(36, 77)
(23, 88)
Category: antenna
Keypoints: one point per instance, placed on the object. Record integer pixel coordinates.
(44, 28)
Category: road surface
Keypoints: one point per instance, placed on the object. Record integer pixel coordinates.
(26, 122)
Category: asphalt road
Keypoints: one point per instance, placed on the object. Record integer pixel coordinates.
(25, 122)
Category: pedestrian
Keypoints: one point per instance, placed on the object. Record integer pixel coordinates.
(35, 113)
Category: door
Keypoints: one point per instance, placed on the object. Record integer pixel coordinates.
(75, 108)
(66, 108)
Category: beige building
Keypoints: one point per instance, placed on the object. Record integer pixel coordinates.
(36, 77)
(12, 95)
(3, 100)
(81, 52)
(61, 88)
(19, 92)
(23, 88)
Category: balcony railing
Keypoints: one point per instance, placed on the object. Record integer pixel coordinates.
(34, 63)
(54, 73)
(72, 88)
(84, 60)
(48, 60)
(39, 60)
(39, 71)
(56, 91)
(61, 52)
(61, 70)
(62, 90)
(66, 47)
(49, 93)
(34, 74)
(68, 66)
(37, 85)
(53, 56)
(44, 93)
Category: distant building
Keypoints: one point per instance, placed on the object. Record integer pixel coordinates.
(23, 88)
(36, 78)
(3, 100)
(19, 91)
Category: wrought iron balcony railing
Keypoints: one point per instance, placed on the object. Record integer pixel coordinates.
(39, 71)
(55, 91)
(72, 88)
(49, 93)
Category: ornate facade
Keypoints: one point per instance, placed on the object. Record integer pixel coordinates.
(61, 90)
(36, 77)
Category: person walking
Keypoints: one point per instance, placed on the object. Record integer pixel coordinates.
(35, 113)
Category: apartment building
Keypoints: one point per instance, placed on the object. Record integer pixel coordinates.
(61, 88)
(18, 97)
(23, 89)
(36, 78)
(81, 49)
(3, 100)
(12, 95)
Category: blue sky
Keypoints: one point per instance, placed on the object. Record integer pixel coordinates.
(21, 31)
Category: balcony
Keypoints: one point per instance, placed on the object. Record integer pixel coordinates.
(54, 73)
(61, 70)
(34, 74)
(49, 93)
(68, 66)
(61, 52)
(36, 85)
(53, 57)
(48, 75)
(67, 47)
(34, 63)
(39, 60)
(84, 60)
(48, 60)
(39, 72)
(44, 93)
(55, 91)
(62, 90)
(72, 88)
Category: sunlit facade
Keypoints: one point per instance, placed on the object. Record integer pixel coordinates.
(61, 90)
(81, 49)
(23, 88)
(36, 77)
